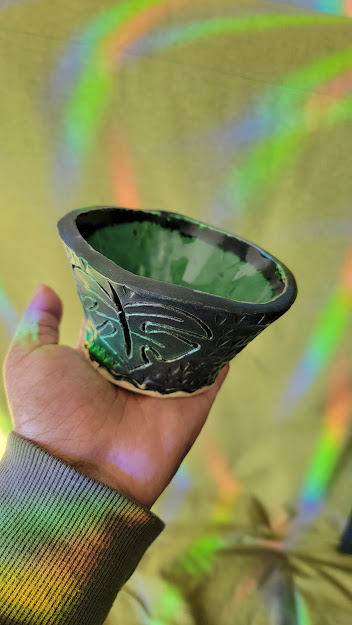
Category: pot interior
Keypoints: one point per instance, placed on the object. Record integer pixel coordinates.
(183, 253)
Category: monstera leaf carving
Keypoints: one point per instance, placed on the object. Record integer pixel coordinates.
(135, 332)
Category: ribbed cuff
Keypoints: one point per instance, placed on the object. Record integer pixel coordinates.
(68, 543)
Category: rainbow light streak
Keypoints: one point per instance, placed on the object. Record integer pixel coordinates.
(5, 426)
(336, 427)
(228, 486)
(324, 343)
(108, 33)
(303, 617)
(170, 603)
(198, 29)
(27, 329)
(242, 591)
(340, 7)
(317, 110)
(105, 46)
(122, 174)
(8, 314)
(290, 121)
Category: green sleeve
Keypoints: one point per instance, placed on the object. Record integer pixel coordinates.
(68, 543)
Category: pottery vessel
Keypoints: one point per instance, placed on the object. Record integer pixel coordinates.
(168, 300)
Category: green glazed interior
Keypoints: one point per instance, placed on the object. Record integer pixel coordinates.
(147, 249)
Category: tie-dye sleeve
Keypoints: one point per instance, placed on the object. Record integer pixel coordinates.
(68, 543)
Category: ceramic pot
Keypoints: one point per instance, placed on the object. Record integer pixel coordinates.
(168, 300)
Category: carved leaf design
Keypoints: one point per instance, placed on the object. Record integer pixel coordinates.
(137, 332)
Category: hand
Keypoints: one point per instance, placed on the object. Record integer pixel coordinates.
(131, 442)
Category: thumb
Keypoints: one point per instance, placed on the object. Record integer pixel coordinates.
(40, 322)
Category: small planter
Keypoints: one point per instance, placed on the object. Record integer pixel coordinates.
(168, 300)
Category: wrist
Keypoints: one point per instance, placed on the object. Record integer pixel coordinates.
(95, 472)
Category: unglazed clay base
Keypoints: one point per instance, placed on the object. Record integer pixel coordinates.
(134, 389)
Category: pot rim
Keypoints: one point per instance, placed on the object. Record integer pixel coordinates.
(71, 236)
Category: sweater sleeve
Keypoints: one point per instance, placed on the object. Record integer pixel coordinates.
(68, 543)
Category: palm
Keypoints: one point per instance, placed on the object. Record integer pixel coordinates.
(132, 442)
